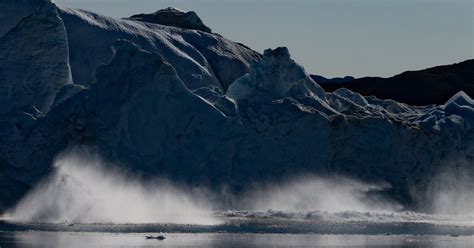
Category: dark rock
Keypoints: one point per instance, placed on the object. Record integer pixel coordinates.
(429, 86)
(322, 80)
(159, 237)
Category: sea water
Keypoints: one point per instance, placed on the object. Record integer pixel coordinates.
(37, 239)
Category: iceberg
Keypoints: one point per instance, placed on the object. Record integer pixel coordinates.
(202, 110)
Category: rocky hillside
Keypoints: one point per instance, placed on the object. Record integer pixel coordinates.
(430, 86)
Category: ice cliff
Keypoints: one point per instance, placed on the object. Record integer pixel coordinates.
(13, 12)
(35, 61)
(204, 110)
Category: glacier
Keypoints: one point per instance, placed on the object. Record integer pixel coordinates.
(204, 111)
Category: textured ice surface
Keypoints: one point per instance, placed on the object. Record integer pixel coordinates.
(201, 59)
(34, 61)
(13, 11)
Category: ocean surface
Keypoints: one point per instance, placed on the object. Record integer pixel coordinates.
(37, 239)
(254, 229)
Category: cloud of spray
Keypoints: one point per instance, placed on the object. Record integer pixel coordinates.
(451, 191)
(83, 189)
(315, 193)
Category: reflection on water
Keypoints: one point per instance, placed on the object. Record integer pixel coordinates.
(92, 240)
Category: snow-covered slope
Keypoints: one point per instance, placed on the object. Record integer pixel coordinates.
(200, 58)
(157, 106)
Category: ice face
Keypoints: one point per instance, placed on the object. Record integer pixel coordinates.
(274, 77)
(201, 59)
(12, 12)
(35, 61)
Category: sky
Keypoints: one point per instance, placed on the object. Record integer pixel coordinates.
(331, 37)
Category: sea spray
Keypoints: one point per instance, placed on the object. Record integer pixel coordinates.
(84, 189)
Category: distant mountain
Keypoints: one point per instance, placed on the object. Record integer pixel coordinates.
(323, 80)
(429, 86)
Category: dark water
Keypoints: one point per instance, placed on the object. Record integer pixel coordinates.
(80, 240)
(35, 239)
(244, 231)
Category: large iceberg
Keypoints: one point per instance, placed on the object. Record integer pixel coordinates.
(206, 111)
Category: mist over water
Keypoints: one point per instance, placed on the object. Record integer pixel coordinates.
(316, 193)
(83, 188)
(451, 192)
